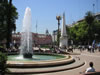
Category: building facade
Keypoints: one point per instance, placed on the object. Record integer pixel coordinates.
(38, 39)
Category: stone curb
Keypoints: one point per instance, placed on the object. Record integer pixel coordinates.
(33, 64)
(54, 69)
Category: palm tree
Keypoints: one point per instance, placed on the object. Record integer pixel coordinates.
(89, 18)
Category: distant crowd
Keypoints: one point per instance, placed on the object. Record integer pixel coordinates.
(52, 49)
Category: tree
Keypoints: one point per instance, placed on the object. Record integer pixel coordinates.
(78, 32)
(89, 18)
(3, 16)
(8, 16)
(86, 30)
(3, 66)
(96, 30)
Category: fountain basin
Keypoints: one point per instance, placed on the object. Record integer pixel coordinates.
(40, 62)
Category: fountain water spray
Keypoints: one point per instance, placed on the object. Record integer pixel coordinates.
(26, 35)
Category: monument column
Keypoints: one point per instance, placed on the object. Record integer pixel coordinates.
(63, 38)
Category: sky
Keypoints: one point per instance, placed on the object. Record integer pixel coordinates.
(44, 12)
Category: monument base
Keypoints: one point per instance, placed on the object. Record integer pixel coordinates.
(63, 42)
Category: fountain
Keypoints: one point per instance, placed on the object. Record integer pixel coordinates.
(27, 59)
(26, 35)
(26, 52)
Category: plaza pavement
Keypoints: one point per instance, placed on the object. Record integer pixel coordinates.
(87, 57)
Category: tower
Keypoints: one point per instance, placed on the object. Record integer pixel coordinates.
(47, 32)
(63, 38)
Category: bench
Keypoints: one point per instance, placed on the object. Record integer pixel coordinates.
(92, 73)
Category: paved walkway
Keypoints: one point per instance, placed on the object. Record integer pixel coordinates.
(87, 57)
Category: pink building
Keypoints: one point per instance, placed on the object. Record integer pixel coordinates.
(38, 39)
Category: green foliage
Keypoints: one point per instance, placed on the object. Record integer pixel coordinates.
(3, 59)
(4, 18)
(84, 31)
(89, 18)
(45, 46)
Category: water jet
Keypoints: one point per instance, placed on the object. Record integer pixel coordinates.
(26, 35)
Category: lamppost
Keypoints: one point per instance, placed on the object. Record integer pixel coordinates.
(58, 18)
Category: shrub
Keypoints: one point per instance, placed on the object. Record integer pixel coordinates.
(2, 49)
(3, 59)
